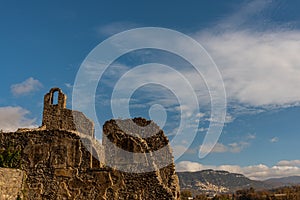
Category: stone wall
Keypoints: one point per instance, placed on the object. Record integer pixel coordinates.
(62, 161)
(59, 166)
(56, 162)
(57, 116)
(11, 183)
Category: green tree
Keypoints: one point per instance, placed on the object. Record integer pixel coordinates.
(10, 157)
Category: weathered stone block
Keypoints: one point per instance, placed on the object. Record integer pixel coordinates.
(11, 183)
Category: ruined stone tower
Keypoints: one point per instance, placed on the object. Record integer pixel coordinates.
(57, 117)
(60, 159)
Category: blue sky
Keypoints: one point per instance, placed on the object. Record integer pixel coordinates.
(255, 44)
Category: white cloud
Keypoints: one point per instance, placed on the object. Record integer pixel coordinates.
(26, 87)
(257, 172)
(200, 115)
(189, 166)
(12, 118)
(202, 129)
(238, 147)
(228, 119)
(258, 62)
(247, 11)
(289, 163)
(218, 148)
(178, 149)
(165, 78)
(251, 136)
(235, 147)
(258, 68)
(115, 27)
(69, 85)
(274, 139)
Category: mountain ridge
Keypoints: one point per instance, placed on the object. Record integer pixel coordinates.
(219, 181)
(284, 181)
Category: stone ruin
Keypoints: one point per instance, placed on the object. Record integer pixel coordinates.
(57, 116)
(56, 160)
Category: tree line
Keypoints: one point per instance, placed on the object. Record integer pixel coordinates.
(282, 193)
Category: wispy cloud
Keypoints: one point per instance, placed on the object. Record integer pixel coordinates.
(274, 140)
(235, 147)
(115, 27)
(218, 148)
(258, 172)
(12, 118)
(258, 68)
(69, 85)
(228, 119)
(251, 136)
(258, 62)
(289, 163)
(242, 17)
(26, 87)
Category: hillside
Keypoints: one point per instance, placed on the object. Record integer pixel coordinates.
(285, 181)
(211, 181)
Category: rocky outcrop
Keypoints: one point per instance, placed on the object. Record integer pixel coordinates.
(130, 145)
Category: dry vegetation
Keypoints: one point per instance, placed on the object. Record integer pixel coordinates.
(283, 193)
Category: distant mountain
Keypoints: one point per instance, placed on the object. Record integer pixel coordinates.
(211, 181)
(285, 181)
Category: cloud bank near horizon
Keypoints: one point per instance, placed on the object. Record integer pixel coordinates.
(283, 168)
(12, 118)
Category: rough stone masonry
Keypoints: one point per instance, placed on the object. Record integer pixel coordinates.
(56, 160)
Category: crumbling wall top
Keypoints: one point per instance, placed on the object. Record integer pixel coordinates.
(49, 99)
(57, 116)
